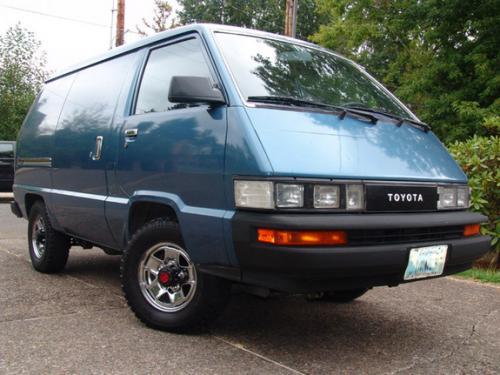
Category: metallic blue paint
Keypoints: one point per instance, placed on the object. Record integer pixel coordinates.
(36, 137)
(88, 113)
(180, 152)
(320, 145)
(245, 155)
(187, 159)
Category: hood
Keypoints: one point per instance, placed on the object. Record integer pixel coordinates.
(320, 145)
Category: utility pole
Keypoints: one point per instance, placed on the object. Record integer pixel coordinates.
(113, 10)
(288, 18)
(291, 18)
(120, 23)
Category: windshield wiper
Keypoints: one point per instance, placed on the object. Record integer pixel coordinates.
(286, 100)
(291, 101)
(400, 120)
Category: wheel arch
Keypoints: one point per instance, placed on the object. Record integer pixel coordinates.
(201, 229)
(145, 209)
(29, 200)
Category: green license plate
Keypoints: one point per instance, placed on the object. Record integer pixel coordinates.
(426, 261)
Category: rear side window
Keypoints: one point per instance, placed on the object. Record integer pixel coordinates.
(93, 95)
(36, 139)
(6, 150)
(180, 59)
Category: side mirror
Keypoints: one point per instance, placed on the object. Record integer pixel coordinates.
(187, 89)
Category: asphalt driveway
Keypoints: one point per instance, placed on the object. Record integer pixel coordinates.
(78, 322)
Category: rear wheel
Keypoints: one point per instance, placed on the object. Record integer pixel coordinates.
(48, 249)
(163, 286)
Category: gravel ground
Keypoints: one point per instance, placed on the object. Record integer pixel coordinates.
(78, 322)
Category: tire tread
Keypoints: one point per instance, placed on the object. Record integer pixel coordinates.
(215, 288)
(57, 245)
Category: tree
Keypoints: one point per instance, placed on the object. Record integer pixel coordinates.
(441, 57)
(22, 73)
(268, 15)
(162, 12)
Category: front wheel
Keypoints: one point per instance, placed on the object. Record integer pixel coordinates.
(162, 285)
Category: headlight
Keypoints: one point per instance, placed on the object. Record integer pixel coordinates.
(451, 197)
(289, 195)
(355, 199)
(254, 194)
(326, 196)
(463, 197)
(285, 195)
(447, 197)
(343, 196)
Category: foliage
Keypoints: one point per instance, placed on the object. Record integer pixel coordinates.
(479, 157)
(487, 276)
(268, 15)
(162, 12)
(441, 57)
(22, 72)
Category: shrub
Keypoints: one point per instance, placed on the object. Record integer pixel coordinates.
(479, 157)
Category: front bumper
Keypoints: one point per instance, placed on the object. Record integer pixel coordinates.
(308, 269)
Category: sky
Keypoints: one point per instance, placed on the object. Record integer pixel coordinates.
(75, 30)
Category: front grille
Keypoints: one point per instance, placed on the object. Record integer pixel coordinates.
(403, 235)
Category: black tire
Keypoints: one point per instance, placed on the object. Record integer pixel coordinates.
(56, 245)
(340, 296)
(208, 300)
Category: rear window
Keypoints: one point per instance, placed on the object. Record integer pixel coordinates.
(6, 150)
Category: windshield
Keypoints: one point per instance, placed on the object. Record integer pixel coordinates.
(265, 67)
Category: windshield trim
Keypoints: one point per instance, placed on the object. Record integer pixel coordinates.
(279, 38)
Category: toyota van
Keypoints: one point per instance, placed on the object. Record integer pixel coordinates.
(209, 155)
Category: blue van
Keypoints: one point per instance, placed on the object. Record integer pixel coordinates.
(210, 155)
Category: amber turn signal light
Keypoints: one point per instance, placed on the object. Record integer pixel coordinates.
(471, 230)
(301, 238)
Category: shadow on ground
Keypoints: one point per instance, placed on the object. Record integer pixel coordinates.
(379, 328)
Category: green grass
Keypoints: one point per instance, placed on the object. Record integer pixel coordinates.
(479, 274)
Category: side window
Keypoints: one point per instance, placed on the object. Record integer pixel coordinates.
(180, 59)
(36, 139)
(91, 101)
(88, 111)
(6, 150)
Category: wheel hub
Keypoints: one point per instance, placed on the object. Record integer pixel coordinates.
(38, 237)
(167, 277)
(171, 275)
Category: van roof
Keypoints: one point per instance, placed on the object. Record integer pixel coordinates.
(199, 27)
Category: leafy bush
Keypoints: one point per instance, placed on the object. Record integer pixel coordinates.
(22, 72)
(479, 157)
(441, 57)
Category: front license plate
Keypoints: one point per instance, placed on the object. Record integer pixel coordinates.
(426, 262)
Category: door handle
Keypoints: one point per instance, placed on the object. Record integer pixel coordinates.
(130, 136)
(98, 148)
(129, 133)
